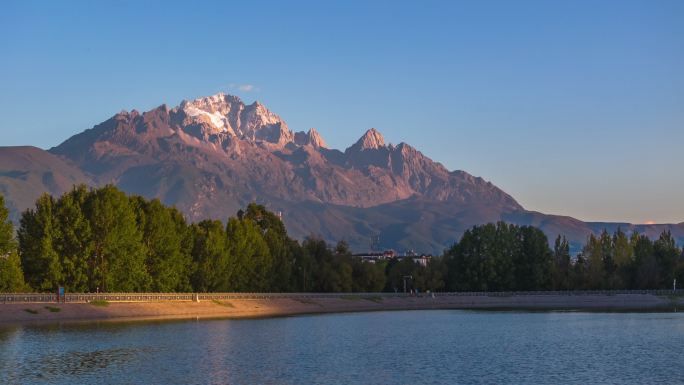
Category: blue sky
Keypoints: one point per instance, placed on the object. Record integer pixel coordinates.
(574, 108)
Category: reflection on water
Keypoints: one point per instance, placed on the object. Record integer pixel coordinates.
(75, 363)
(441, 347)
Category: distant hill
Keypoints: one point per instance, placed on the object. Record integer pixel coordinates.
(212, 156)
(26, 172)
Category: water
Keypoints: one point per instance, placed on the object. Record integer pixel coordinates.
(409, 347)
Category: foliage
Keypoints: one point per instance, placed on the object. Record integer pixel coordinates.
(506, 257)
(118, 258)
(11, 274)
(250, 262)
(99, 302)
(103, 240)
(500, 257)
(163, 232)
(211, 263)
(37, 234)
(622, 262)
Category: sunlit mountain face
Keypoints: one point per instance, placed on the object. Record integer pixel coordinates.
(213, 155)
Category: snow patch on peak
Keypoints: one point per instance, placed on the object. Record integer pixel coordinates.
(217, 111)
(213, 100)
(216, 118)
(223, 113)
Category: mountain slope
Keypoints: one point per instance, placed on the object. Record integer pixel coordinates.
(216, 153)
(26, 172)
(211, 156)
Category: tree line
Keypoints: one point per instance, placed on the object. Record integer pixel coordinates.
(505, 257)
(101, 239)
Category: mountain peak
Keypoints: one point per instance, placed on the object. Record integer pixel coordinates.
(371, 140)
(212, 102)
(228, 114)
(315, 139)
(311, 137)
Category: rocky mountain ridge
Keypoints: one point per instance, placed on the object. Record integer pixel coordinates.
(213, 155)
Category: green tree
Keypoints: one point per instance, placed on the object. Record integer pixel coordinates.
(7, 242)
(73, 243)
(430, 277)
(467, 261)
(562, 273)
(332, 273)
(533, 265)
(37, 235)
(281, 248)
(667, 255)
(211, 261)
(11, 274)
(400, 271)
(647, 272)
(593, 254)
(163, 231)
(679, 270)
(118, 259)
(624, 260)
(580, 273)
(499, 257)
(304, 270)
(366, 276)
(251, 260)
(608, 258)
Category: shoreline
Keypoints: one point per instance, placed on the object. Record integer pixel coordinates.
(46, 313)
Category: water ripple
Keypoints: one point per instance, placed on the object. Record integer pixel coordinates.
(412, 347)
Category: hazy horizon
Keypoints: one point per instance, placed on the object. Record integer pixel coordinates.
(573, 109)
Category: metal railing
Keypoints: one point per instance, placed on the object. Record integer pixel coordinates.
(155, 297)
(563, 292)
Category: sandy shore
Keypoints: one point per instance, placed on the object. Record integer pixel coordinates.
(22, 313)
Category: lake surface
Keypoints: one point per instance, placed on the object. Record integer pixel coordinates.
(406, 347)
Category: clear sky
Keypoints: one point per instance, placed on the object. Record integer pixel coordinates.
(573, 107)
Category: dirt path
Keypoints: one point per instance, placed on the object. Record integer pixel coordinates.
(22, 313)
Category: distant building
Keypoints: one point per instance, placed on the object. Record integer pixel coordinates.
(373, 257)
(422, 260)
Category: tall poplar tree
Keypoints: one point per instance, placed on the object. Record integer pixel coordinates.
(74, 242)
(595, 266)
(561, 264)
(162, 236)
(118, 259)
(250, 257)
(211, 262)
(646, 270)
(624, 260)
(38, 232)
(280, 246)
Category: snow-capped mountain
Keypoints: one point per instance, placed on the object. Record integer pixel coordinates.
(213, 155)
